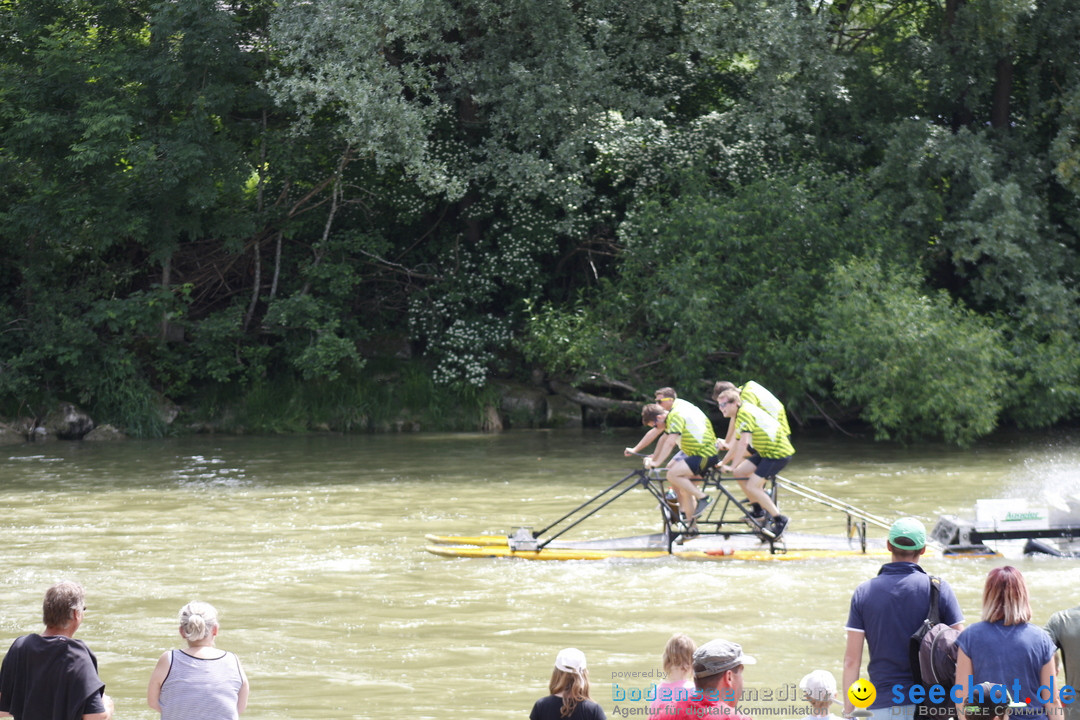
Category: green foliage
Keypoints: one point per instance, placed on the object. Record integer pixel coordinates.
(575, 341)
(1065, 149)
(465, 344)
(1044, 367)
(969, 196)
(918, 365)
(99, 349)
(716, 286)
(226, 201)
(222, 353)
(382, 397)
(310, 329)
(739, 276)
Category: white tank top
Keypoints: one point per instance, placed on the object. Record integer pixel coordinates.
(198, 689)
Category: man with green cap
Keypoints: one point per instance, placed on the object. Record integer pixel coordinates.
(885, 611)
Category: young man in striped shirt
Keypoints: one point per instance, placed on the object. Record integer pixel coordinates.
(772, 450)
(693, 434)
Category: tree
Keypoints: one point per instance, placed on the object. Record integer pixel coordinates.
(917, 365)
(120, 140)
(502, 111)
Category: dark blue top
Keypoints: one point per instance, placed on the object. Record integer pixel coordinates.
(888, 609)
(1007, 655)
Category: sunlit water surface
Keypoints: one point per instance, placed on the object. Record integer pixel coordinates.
(312, 548)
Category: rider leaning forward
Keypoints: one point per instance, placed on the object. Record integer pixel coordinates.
(685, 426)
(760, 449)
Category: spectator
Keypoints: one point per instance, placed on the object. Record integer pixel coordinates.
(53, 676)
(988, 701)
(1007, 649)
(885, 611)
(569, 688)
(1064, 630)
(819, 689)
(678, 662)
(201, 681)
(718, 680)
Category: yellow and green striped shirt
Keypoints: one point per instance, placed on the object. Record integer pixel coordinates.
(755, 394)
(696, 435)
(769, 440)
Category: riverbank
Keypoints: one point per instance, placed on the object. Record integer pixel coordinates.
(389, 403)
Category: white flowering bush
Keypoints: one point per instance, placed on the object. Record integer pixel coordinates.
(464, 346)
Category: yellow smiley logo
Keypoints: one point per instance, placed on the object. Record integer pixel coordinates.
(861, 693)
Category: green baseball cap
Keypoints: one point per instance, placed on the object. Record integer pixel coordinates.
(907, 533)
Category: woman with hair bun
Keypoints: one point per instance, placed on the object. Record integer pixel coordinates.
(199, 681)
(569, 688)
(1006, 649)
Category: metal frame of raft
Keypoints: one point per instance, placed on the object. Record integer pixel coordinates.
(727, 518)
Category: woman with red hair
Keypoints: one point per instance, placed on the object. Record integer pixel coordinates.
(1006, 649)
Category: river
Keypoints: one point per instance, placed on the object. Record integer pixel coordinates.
(312, 549)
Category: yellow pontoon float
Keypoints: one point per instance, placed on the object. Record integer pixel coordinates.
(725, 532)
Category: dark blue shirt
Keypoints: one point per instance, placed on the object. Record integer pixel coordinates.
(888, 609)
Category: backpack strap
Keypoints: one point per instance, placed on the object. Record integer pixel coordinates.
(934, 616)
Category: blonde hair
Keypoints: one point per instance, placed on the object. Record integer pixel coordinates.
(679, 653)
(1005, 597)
(666, 392)
(730, 395)
(573, 687)
(198, 620)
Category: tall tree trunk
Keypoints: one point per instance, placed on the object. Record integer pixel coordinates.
(256, 285)
(337, 193)
(166, 280)
(961, 114)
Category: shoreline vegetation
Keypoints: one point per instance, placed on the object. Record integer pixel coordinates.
(279, 216)
(389, 402)
(401, 398)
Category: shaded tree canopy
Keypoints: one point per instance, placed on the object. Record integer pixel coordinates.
(869, 207)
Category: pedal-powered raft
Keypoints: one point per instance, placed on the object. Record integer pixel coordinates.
(725, 531)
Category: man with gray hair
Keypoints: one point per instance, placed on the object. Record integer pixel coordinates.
(718, 678)
(53, 676)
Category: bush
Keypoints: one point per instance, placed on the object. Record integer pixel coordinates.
(917, 365)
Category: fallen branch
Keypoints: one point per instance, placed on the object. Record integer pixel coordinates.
(594, 401)
(831, 423)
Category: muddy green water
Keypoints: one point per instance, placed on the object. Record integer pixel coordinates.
(312, 550)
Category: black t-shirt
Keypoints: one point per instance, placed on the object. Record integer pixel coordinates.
(50, 677)
(548, 708)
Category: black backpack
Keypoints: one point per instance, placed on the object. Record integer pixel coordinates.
(933, 651)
